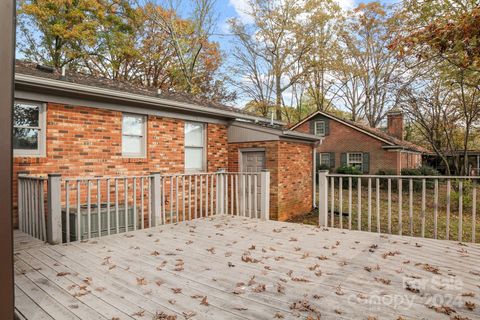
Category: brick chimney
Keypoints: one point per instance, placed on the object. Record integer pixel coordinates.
(395, 124)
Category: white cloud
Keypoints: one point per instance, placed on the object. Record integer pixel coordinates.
(346, 4)
(242, 7)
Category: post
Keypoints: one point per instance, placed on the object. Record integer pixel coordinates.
(54, 222)
(156, 198)
(220, 194)
(323, 198)
(264, 194)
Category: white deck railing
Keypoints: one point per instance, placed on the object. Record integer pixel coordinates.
(31, 206)
(81, 208)
(440, 207)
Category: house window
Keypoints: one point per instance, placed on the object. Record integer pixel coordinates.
(194, 146)
(324, 159)
(320, 128)
(355, 160)
(28, 128)
(133, 136)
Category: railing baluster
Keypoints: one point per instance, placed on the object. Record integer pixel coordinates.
(349, 203)
(332, 202)
(28, 206)
(195, 197)
(109, 223)
(400, 207)
(231, 196)
(125, 181)
(99, 210)
(89, 211)
(410, 205)
(369, 204)
(237, 193)
(163, 201)
(340, 202)
(171, 199)
(212, 194)
(249, 178)
(389, 205)
(183, 198)
(67, 211)
(189, 197)
(243, 186)
(255, 196)
(42, 211)
(359, 204)
(142, 204)
(19, 204)
(149, 202)
(460, 211)
(435, 210)
(474, 210)
(117, 216)
(206, 195)
(79, 216)
(177, 200)
(201, 196)
(447, 231)
(134, 215)
(377, 187)
(424, 186)
(34, 208)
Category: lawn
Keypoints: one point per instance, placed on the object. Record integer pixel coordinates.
(416, 221)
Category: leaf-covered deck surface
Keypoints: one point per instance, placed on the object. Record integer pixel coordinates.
(234, 268)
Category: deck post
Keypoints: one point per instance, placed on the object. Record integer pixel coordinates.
(220, 191)
(323, 198)
(54, 221)
(156, 198)
(265, 194)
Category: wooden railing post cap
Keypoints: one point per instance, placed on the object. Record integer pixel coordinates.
(54, 175)
(265, 170)
(222, 170)
(323, 171)
(155, 172)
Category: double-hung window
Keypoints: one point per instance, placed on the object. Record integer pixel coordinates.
(320, 128)
(194, 146)
(324, 159)
(28, 128)
(355, 160)
(133, 136)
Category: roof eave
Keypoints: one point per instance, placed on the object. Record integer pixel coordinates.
(69, 87)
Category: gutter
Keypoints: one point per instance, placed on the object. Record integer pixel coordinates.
(74, 88)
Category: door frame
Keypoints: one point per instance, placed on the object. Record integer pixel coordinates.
(240, 156)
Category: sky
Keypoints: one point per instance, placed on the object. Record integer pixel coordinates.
(227, 9)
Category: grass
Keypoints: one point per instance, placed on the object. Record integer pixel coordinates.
(411, 226)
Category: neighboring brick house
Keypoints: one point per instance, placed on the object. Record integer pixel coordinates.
(78, 126)
(348, 143)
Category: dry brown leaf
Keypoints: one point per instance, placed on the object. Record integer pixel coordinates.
(442, 309)
(140, 313)
(470, 305)
(189, 314)
(141, 281)
(383, 280)
(164, 316)
(280, 288)
(63, 273)
(259, 288)
(204, 301)
(176, 290)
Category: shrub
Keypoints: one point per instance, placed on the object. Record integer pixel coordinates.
(411, 172)
(323, 167)
(384, 182)
(350, 171)
(428, 171)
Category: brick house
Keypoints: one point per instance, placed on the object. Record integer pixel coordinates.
(348, 143)
(77, 125)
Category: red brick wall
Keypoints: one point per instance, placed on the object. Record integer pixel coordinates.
(85, 141)
(343, 138)
(290, 166)
(294, 179)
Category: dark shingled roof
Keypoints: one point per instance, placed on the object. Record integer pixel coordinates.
(33, 69)
(373, 131)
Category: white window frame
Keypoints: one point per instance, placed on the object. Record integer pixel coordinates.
(324, 155)
(143, 153)
(351, 163)
(203, 147)
(42, 131)
(317, 128)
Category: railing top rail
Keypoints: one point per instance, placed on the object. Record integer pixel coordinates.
(399, 176)
(27, 177)
(69, 179)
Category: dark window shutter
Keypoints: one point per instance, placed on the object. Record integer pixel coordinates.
(312, 127)
(327, 127)
(343, 159)
(332, 159)
(317, 160)
(366, 162)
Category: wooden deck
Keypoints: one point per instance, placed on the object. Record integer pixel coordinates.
(235, 268)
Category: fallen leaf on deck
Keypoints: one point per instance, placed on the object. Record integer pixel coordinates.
(470, 305)
(141, 281)
(204, 301)
(176, 290)
(62, 274)
(164, 316)
(140, 313)
(189, 314)
(442, 309)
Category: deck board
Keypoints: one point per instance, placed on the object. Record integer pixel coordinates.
(298, 271)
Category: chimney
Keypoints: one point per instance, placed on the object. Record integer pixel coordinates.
(395, 124)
